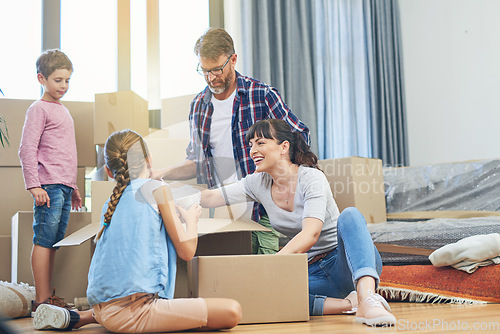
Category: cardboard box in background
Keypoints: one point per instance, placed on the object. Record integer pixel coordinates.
(71, 263)
(357, 182)
(270, 288)
(175, 109)
(166, 152)
(18, 198)
(118, 111)
(5, 257)
(83, 117)
(100, 191)
(14, 113)
(178, 130)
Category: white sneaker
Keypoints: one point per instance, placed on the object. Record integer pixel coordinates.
(375, 311)
(51, 317)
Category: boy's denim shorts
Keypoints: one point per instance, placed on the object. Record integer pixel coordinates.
(49, 224)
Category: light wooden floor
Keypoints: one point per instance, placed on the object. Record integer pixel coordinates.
(412, 317)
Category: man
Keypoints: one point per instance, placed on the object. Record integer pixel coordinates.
(220, 116)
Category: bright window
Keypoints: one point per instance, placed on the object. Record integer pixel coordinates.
(89, 38)
(181, 23)
(138, 48)
(20, 27)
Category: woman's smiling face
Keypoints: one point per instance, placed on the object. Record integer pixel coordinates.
(265, 153)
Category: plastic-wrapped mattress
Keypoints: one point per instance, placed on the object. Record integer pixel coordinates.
(430, 234)
(465, 186)
(459, 186)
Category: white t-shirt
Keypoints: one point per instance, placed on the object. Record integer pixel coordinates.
(221, 140)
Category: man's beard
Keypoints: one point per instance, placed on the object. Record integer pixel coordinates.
(220, 89)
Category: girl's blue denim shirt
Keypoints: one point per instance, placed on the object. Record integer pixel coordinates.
(134, 254)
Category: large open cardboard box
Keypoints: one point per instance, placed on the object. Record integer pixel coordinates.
(217, 236)
(357, 182)
(270, 288)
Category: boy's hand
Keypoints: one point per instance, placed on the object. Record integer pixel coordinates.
(76, 200)
(41, 197)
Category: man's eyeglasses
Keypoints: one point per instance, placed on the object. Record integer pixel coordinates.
(215, 71)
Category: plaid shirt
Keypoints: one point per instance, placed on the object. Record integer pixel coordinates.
(254, 101)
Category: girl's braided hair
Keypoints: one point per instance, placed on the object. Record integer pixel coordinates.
(125, 154)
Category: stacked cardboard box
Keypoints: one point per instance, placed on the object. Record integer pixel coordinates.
(5, 250)
(14, 113)
(357, 182)
(118, 111)
(18, 199)
(71, 265)
(175, 110)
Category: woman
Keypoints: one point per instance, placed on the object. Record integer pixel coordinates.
(300, 204)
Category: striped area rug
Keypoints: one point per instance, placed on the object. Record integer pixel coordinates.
(429, 284)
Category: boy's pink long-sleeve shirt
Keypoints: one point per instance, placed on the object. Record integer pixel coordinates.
(48, 146)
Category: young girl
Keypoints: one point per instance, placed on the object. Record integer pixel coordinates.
(132, 273)
(299, 202)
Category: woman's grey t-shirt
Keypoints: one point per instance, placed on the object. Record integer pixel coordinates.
(313, 198)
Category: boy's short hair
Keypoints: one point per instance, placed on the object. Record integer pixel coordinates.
(214, 43)
(52, 60)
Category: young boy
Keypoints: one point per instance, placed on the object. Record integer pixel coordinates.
(48, 158)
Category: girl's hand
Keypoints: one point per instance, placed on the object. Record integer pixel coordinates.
(190, 216)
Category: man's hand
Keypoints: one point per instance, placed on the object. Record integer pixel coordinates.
(76, 200)
(41, 197)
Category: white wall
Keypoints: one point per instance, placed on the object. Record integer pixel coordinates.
(451, 53)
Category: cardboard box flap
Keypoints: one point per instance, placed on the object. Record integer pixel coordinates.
(205, 226)
(79, 236)
(221, 225)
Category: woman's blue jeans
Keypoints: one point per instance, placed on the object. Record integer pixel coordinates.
(336, 275)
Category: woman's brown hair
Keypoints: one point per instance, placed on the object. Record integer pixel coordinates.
(125, 155)
(300, 153)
